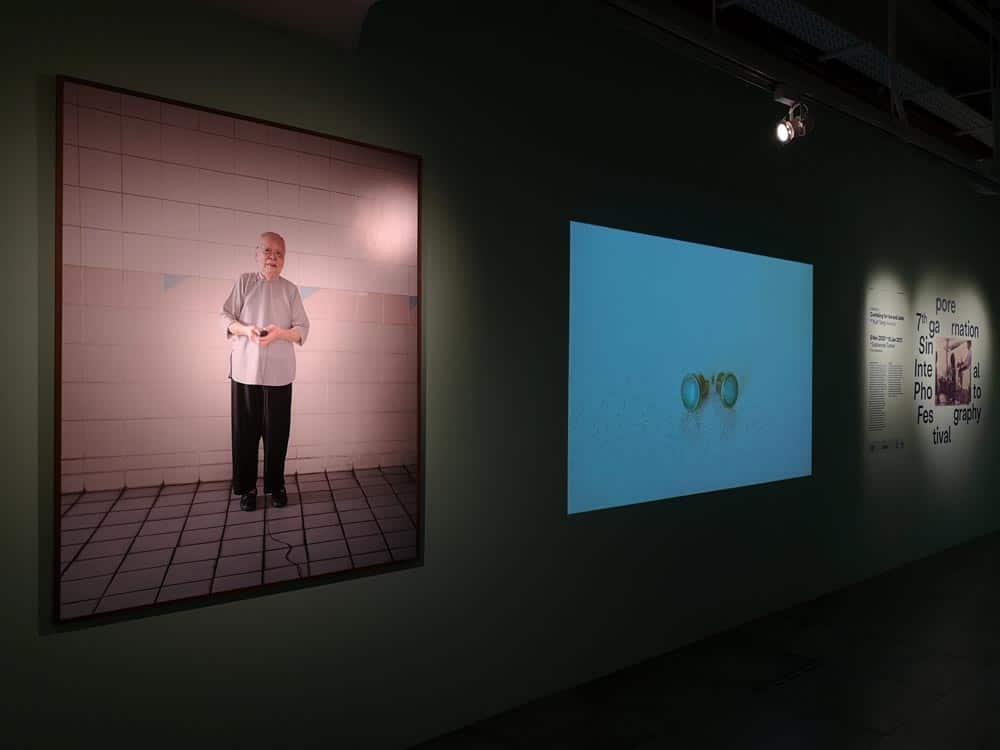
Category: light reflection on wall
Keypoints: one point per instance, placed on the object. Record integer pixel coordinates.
(884, 469)
(956, 462)
(386, 224)
(927, 461)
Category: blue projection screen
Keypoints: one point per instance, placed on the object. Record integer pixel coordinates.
(690, 368)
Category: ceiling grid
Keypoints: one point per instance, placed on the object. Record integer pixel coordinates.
(821, 33)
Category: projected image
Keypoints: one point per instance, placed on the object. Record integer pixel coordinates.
(953, 372)
(690, 368)
(239, 354)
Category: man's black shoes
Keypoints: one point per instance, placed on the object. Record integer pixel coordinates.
(279, 498)
(249, 501)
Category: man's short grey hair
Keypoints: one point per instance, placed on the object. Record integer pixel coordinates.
(273, 236)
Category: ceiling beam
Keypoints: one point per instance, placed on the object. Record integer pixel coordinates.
(686, 34)
(842, 53)
(976, 14)
(973, 131)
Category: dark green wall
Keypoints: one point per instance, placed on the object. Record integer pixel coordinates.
(526, 116)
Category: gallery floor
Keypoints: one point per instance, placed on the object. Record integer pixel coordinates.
(908, 660)
(131, 547)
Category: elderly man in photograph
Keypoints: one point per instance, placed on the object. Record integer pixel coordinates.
(264, 317)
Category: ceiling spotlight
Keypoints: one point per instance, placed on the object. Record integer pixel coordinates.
(795, 124)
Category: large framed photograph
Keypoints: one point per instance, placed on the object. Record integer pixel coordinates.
(237, 354)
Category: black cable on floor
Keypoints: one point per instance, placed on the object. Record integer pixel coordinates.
(269, 534)
(288, 546)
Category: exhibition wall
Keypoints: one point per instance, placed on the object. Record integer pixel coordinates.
(526, 117)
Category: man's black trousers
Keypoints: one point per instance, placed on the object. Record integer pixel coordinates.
(260, 411)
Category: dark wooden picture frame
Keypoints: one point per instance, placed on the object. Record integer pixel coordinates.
(158, 206)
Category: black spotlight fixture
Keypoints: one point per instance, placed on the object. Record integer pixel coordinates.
(795, 124)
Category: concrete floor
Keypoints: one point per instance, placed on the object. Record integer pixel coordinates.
(908, 660)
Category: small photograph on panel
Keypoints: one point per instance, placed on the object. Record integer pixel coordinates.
(953, 372)
(239, 356)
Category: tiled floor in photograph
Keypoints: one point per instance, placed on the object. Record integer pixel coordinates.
(130, 547)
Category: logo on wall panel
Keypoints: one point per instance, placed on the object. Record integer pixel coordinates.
(883, 445)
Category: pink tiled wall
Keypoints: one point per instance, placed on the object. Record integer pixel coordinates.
(162, 208)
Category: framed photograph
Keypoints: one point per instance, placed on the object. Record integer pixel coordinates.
(238, 354)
